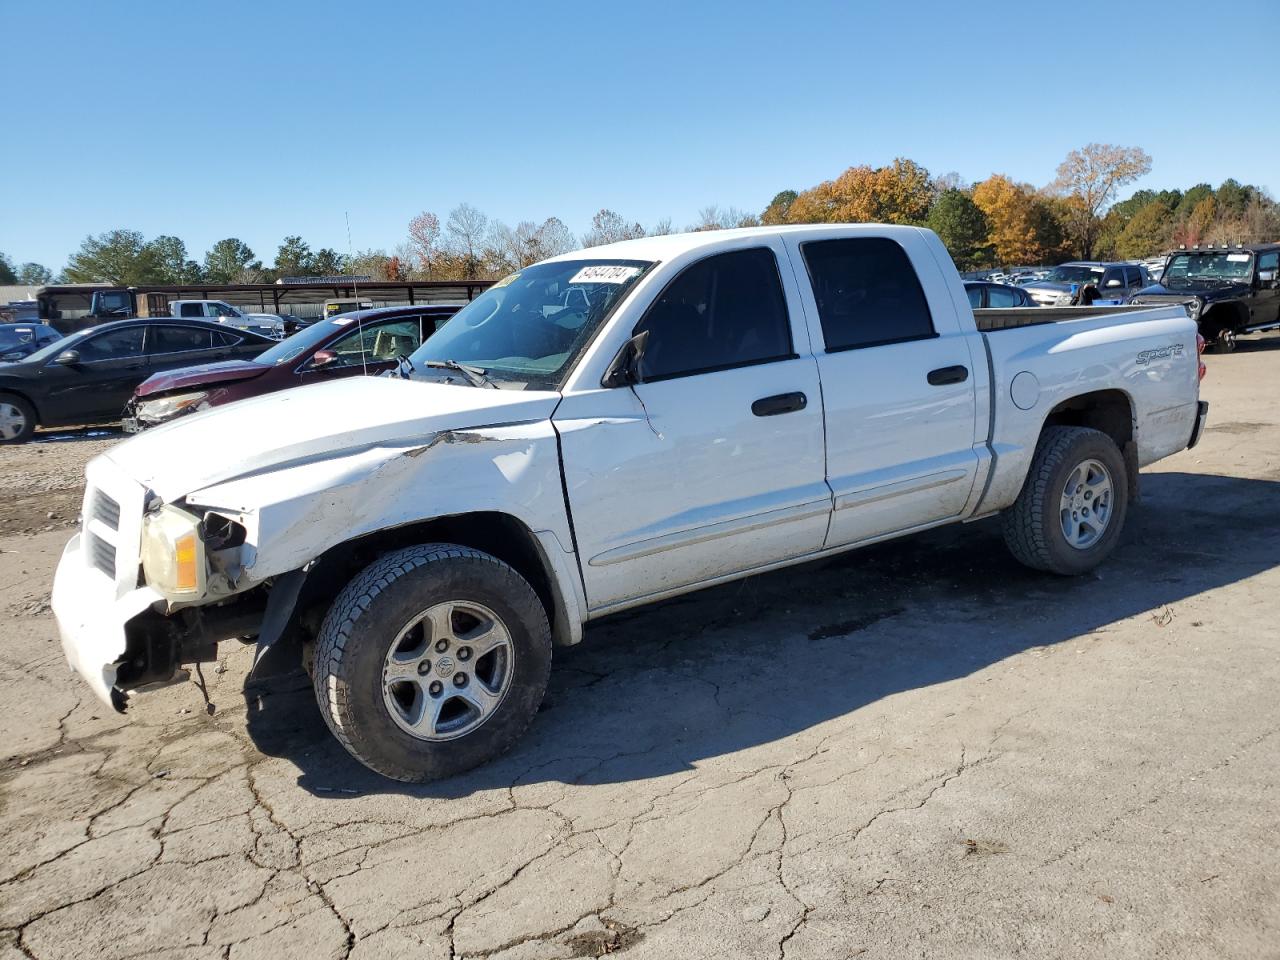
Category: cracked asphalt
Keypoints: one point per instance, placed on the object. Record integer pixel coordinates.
(916, 750)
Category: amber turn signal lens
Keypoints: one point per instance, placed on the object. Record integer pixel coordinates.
(184, 554)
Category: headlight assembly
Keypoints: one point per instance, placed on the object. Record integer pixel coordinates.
(1194, 307)
(166, 408)
(173, 557)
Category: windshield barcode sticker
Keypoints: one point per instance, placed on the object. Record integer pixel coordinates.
(604, 274)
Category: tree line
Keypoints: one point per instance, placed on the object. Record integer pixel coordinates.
(993, 222)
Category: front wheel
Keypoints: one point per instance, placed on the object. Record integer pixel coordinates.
(432, 661)
(1225, 342)
(1072, 507)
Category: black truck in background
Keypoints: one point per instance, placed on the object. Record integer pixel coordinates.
(1228, 290)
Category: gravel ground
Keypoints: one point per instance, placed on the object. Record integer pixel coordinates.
(41, 483)
(918, 750)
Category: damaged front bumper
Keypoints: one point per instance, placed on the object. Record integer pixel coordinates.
(91, 621)
(120, 645)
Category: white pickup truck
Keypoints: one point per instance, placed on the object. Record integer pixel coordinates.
(219, 311)
(600, 431)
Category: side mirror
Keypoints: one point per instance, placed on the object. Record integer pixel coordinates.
(323, 358)
(1113, 282)
(624, 371)
(68, 358)
(1266, 276)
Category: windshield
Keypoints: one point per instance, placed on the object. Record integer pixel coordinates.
(529, 327)
(15, 337)
(1070, 274)
(302, 342)
(1224, 266)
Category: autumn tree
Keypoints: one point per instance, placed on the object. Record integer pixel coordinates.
(1009, 211)
(1089, 179)
(715, 217)
(1147, 232)
(228, 259)
(899, 193)
(610, 227)
(465, 231)
(424, 235)
(776, 212)
(962, 226)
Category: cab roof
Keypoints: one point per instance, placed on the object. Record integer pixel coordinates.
(672, 245)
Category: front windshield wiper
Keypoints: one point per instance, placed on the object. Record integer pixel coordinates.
(475, 375)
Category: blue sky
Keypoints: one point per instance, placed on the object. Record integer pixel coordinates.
(258, 120)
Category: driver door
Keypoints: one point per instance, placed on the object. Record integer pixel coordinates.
(714, 463)
(100, 384)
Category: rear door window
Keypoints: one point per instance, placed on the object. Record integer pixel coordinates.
(1003, 297)
(867, 293)
(725, 311)
(179, 339)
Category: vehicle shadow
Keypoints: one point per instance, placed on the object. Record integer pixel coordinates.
(656, 690)
(1257, 342)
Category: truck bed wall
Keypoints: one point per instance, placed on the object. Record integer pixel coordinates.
(1149, 355)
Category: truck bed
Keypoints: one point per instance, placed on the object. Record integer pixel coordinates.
(1009, 318)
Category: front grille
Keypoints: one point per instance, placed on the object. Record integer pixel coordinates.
(102, 555)
(106, 510)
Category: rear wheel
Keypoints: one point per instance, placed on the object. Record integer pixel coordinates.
(17, 419)
(432, 661)
(1072, 507)
(1225, 342)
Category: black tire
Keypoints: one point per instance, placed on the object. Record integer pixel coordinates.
(1033, 525)
(23, 409)
(367, 617)
(1225, 341)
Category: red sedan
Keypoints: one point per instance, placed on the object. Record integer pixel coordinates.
(351, 344)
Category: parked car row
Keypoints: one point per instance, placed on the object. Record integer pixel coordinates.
(150, 370)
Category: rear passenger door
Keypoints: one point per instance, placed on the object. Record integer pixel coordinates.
(714, 463)
(169, 348)
(898, 385)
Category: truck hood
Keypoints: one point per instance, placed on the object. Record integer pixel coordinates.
(311, 423)
(1210, 293)
(204, 375)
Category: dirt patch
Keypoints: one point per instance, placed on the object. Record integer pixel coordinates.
(42, 483)
(1237, 427)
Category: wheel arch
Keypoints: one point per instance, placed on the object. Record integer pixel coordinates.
(1109, 411)
(1228, 315)
(501, 535)
(27, 398)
